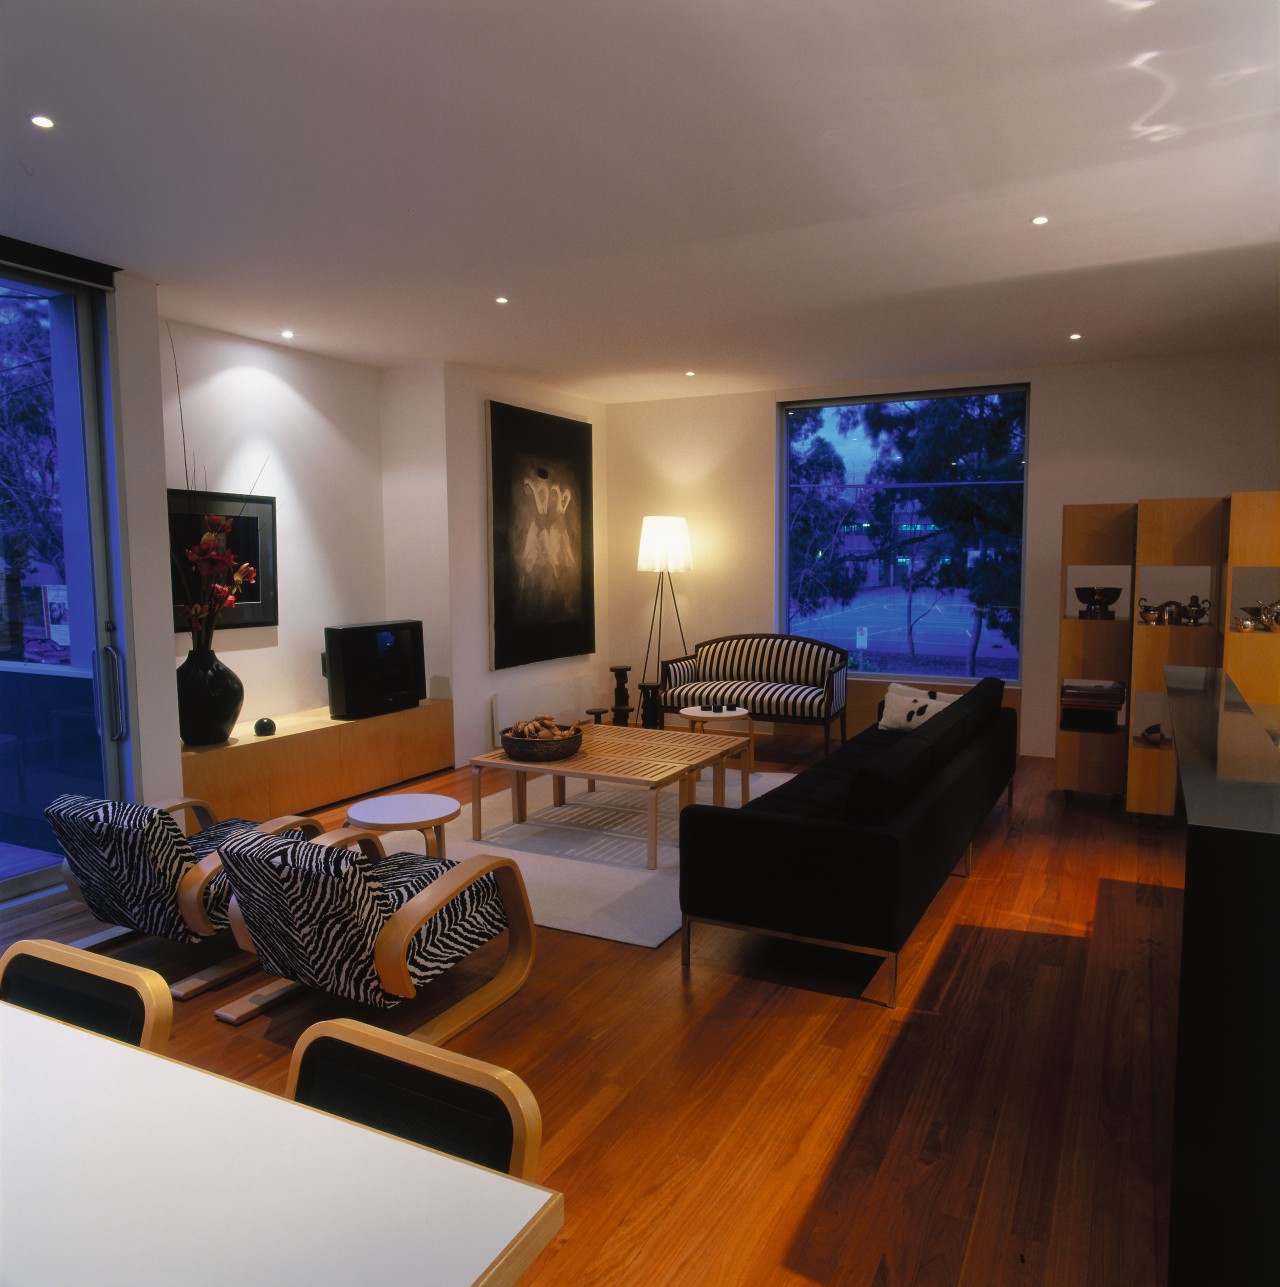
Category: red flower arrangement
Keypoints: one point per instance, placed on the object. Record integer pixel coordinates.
(217, 580)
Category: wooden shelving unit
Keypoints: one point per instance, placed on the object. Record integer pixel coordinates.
(312, 760)
(1251, 571)
(1096, 540)
(1178, 553)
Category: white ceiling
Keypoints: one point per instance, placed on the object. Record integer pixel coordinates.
(772, 193)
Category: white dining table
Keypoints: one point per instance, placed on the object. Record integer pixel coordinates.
(123, 1167)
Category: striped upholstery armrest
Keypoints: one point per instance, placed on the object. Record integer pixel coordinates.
(680, 671)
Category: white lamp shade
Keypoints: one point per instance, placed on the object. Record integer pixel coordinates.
(664, 545)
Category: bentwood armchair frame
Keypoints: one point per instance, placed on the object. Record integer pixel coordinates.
(392, 944)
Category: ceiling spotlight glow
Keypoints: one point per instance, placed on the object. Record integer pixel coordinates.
(1040, 219)
(287, 335)
(502, 299)
(44, 122)
(691, 373)
(1075, 335)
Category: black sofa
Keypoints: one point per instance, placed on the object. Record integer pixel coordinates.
(852, 851)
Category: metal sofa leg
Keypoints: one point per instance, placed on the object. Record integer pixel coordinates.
(965, 867)
(685, 926)
(891, 979)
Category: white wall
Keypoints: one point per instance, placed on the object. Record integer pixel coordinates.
(415, 511)
(1200, 425)
(711, 461)
(273, 421)
(474, 684)
(380, 480)
(143, 612)
(380, 485)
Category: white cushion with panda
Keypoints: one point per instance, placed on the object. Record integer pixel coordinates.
(906, 707)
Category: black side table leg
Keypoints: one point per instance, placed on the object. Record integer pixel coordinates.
(650, 706)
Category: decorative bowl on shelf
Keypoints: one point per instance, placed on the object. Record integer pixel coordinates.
(1097, 600)
(566, 741)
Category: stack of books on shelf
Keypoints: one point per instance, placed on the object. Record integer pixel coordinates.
(1092, 705)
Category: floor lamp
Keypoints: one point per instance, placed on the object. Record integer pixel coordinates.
(664, 549)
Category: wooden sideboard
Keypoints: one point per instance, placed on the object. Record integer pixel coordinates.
(313, 760)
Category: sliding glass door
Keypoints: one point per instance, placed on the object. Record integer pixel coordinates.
(61, 695)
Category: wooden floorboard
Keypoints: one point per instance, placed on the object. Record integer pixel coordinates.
(755, 1122)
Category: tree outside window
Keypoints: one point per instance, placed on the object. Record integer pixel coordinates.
(904, 523)
(32, 556)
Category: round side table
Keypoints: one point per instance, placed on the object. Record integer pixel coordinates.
(409, 811)
(700, 719)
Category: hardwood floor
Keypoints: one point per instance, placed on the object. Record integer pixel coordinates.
(756, 1123)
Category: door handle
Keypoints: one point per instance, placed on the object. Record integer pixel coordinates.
(119, 711)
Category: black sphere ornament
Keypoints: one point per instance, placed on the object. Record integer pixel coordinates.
(265, 727)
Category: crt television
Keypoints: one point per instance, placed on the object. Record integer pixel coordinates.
(374, 667)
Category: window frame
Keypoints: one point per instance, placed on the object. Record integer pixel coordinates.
(783, 600)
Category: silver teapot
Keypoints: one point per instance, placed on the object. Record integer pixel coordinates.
(1262, 616)
(1169, 613)
(1197, 610)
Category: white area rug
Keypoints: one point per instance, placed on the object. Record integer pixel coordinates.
(584, 863)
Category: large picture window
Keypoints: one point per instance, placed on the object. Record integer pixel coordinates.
(902, 536)
(61, 696)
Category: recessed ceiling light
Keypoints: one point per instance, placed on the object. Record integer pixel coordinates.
(691, 373)
(1040, 219)
(502, 299)
(287, 335)
(44, 122)
(1075, 336)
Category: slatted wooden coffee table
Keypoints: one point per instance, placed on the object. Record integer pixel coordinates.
(642, 757)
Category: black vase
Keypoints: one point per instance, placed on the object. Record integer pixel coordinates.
(210, 696)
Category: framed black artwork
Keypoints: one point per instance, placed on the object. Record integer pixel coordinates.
(252, 539)
(541, 560)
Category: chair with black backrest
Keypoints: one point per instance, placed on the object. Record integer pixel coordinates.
(110, 997)
(370, 926)
(135, 869)
(447, 1101)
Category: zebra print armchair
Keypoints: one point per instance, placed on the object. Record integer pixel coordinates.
(370, 926)
(134, 869)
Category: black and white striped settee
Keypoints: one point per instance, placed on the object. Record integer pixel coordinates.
(783, 678)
